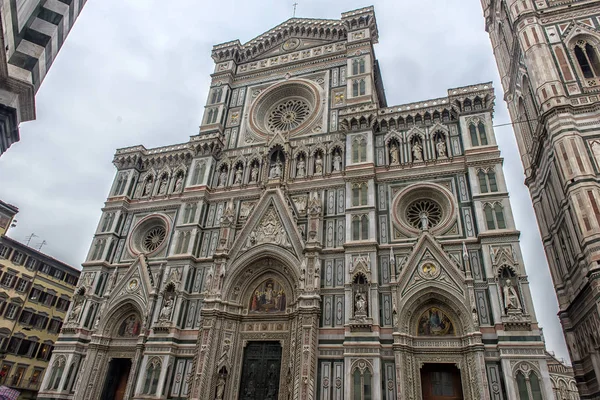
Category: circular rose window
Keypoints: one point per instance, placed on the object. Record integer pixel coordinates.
(418, 210)
(424, 206)
(149, 235)
(288, 115)
(153, 238)
(291, 107)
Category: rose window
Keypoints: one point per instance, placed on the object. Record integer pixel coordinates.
(292, 106)
(153, 238)
(288, 115)
(149, 235)
(418, 210)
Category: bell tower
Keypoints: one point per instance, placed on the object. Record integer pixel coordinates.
(548, 55)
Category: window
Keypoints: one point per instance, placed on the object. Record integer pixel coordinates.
(487, 181)
(359, 149)
(362, 384)
(473, 133)
(49, 300)
(587, 58)
(360, 192)
(99, 288)
(212, 115)
(4, 371)
(18, 258)
(35, 376)
(108, 219)
(8, 280)
(11, 311)
(71, 368)
(358, 87)
(62, 304)
(46, 269)
(54, 326)
(39, 321)
(35, 294)
(57, 371)
(198, 174)
(482, 136)
(360, 227)
(25, 317)
(152, 375)
(31, 263)
(44, 352)
(21, 285)
(18, 376)
(494, 216)
(528, 385)
(216, 96)
(358, 66)
(4, 251)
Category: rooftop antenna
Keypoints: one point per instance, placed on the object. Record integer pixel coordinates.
(295, 5)
(28, 238)
(42, 244)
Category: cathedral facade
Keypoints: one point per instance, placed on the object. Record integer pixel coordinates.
(311, 242)
(548, 54)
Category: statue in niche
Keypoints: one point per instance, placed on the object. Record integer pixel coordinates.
(178, 184)
(417, 150)
(162, 188)
(318, 164)
(511, 298)
(254, 174)
(76, 311)
(301, 168)
(238, 176)
(167, 309)
(360, 305)
(276, 169)
(220, 387)
(394, 154)
(222, 178)
(441, 147)
(147, 188)
(475, 317)
(337, 162)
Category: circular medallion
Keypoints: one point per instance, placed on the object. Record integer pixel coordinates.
(429, 271)
(133, 284)
(290, 44)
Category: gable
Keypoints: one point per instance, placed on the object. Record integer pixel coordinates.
(429, 265)
(271, 222)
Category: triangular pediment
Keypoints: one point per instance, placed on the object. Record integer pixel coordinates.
(430, 265)
(271, 223)
(305, 32)
(136, 283)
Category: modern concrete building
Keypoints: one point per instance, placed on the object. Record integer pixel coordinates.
(310, 242)
(548, 55)
(32, 32)
(35, 293)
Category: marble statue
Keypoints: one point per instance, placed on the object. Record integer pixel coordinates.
(511, 298)
(222, 178)
(394, 154)
(441, 148)
(318, 165)
(301, 168)
(417, 150)
(254, 174)
(337, 163)
(238, 176)
(178, 184)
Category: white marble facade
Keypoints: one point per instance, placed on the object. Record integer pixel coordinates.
(368, 247)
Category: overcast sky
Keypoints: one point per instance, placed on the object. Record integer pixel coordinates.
(137, 72)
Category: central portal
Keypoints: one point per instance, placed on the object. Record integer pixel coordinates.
(441, 382)
(260, 371)
(116, 379)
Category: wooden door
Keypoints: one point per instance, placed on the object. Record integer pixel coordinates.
(116, 379)
(441, 382)
(260, 371)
